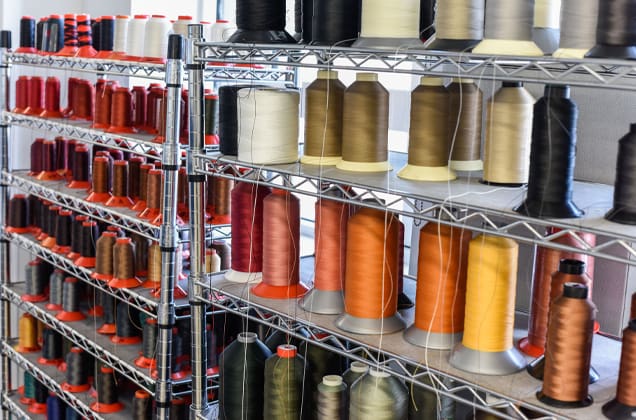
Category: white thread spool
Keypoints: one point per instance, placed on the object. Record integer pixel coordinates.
(136, 36)
(546, 32)
(157, 30)
(120, 35)
(459, 25)
(180, 26)
(578, 28)
(268, 125)
(508, 29)
(389, 24)
(222, 30)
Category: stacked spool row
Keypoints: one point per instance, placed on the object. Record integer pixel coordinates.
(348, 127)
(110, 107)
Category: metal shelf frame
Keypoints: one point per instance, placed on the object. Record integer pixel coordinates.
(611, 74)
(14, 408)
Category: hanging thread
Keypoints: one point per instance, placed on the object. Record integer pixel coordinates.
(464, 125)
(550, 183)
(284, 386)
(77, 370)
(624, 206)
(28, 335)
(487, 346)
(459, 25)
(261, 22)
(365, 126)
(334, 22)
(378, 395)
(323, 119)
(624, 405)
(70, 301)
(578, 28)
(393, 25)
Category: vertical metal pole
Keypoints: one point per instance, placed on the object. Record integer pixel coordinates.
(5, 313)
(197, 201)
(170, 160)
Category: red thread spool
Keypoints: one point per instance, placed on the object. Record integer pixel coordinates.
(161, 109)
(153, 101)
(36, 156)
(221, 200)
(18, 217)
(71, 45)
(101, 175)
(35, 96)
(134, 172)
(124, 265)
(85, 36)
(52, 98)
(21, 94)
(142, 181)
(103, 103)
(139, 107)
(83, 98)
(121, 112)
(49, 162)
(153, 198)
(80, 171)
(70, 94)
(120, 186)
(281, 248)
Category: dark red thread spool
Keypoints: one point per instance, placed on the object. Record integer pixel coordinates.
(161, 108)
(139, 107)
(71, 45)
(18, 217)
(103, 103)
(36, 156)
(35, 214)
(120, 186)
(76, 237)
(35, 96)
(83, 98)
(121, 112)
(85, 36)
(72, 143)
(134, 172)
(62, 147)
(81, 168)
(141, 203)
(21, 94)
(63, 232)
(49, 162)
(153, 99)
(70, 94)
(52, 98)
(44, 220)
(101, 175)
(88, 235)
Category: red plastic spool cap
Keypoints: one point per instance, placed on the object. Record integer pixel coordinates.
(286, 351)
(142, 16)
(184, 17)
(124, 341)
(53, 307)
(108, 17)
(141, 394)
(54, 16)
(159, 16)
(96, 311)
(268, 291)
(145, 362)
(530, 349)
(107, 329)
(222, 21)
(49, 362)
(37, 408)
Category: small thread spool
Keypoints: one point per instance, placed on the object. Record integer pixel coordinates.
(141, 203)
(120, 37)
(107, 402)
(459, 25)
(272, 114)
(134, 171)
(27, 35)
(261, 23)
(55, 408)
(45, 220)
(331, 399)
(156, 34)
(35, 104)
(141, 406)
(428, 133)
(77, 371)
(147, 360)
(71, 45)
(109, 315)
(62, 146)
(51, 348)
(27, 391)
(330, 241)
(119, 196)
(106, 37)
(578, 28)
(153, 196)
(70, 301)
(138, 102)
(441, 287)
(371, 274)
(76, 237)
(552, 157)
(224, 252)
(21, 94)
(83, 100)
(624, 405)
(324, 99)
(222, 200)
(356, 371)
(80, 168)
(624, 207)
(56, 286)
(38, 406)
(121, 112)
(487, 346)
(124, 265)
(63, 232)
(87, 257)
(546, 32)
(284, 383)
(85, 36)
(211, 119)
(464, 125)
(180, 26)
(28, 337)
(394, 25)
(378, 395)
(136, 37)
(18, 215)
(103, 103)
(51, 222)
(51, 98)
(366, 127)
(127, 331)
(100, 181)
(49, 164)
(569, 349)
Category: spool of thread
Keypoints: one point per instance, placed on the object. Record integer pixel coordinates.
(120, 197)
(136, 37)
(153, 99)
(138, 101)
(441, 287)
(107, 402)
(356, 371)
(546, 262)
(27, 391)
(464, 125)
(393, 25)
(428, 133)
(333, 22)
(56, 285)
(27, 35)
(323, 119)
(124, 265)
(366, 126)
(320, 363)
(161, 109)
(183, 191)
(85, 36)
(153, 277)
(38, 406)
(141, 405)
(371, 274)
(578, 28)
(21, 94)
(222, 200)
(331, 399)
(546, 32)
(550, 183)
(63, 232)
(141, 254)
(211, 346)
(508, 136)
(88, 252)
(247, 228)
(96, 29)
(71, 44)
(261, 22)
(147, 360)
(80, 168)
(70, 301)
(28, 337)
(41, 34)
(34, 204)
(224, 252)
(270, 114)
(55, 28)
(212, 261)
(109, 315)
(51, 348)
(103, 103)
(62, 146)
(95, 297)
(228, 118)
(284, 384)
(18, 215)
(178, 408)
(624, 405)
(36, 275)
(459, 25)
(100, 181)
(45, 220)
(281, 248)
(49, 164)
(83, 99)
(106, 37)
(52, 98)
(624, 207)
(77, 371)
(220, 31)
(487, 346)
(156, 34)
(180, 26)
(55, 408)
(211, 119)
(36, 157)
(127, 330)
(330, 240)
(35, 98)
(144, 168)
(508, 29)
(153, 195)
(569, 349)
(51, 222)
(71, 414)
(378, 395)
(120, 37)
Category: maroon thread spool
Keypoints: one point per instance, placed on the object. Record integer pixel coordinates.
(121, 112)
(18, 217)
(49, 162)
(152, 102)
(120, 186)
(142, 246)
(142, 183)
(44, 220)
(35, 96)
(51, 222)
(62, 147)
(80, 170)
(139, 107)
(134, 172)
(21, 94)
(70, 37)
(88, 233)
(36, 156)
(76, 237)
(101, 175)
(103, 103)
(111, 160)
(70, 93)
(52, 98)
(35, 214)
(63, 224)
(72, 143)
(83, 98)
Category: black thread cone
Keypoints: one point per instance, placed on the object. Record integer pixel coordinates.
(624, 208)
